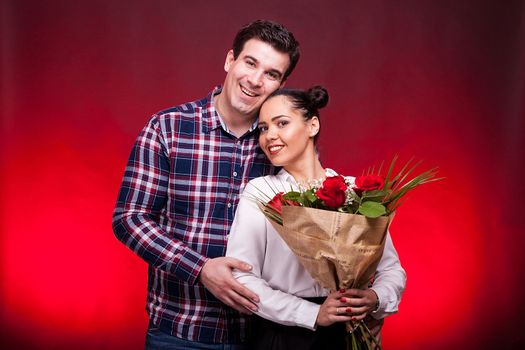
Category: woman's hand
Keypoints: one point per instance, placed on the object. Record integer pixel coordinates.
(333, 310)
(359, 303)
(346, 305)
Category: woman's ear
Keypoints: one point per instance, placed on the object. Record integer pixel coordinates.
(314, 126)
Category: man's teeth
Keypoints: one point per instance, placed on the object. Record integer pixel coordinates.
(248, 92)
(275, 148)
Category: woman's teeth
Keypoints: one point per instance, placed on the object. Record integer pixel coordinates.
(274, 149)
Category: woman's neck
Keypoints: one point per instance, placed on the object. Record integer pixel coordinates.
(302, 173)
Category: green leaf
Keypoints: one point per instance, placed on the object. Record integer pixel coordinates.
(304, 201)
(309, 194)
(372, 209)
(375, 195)
(294, 196)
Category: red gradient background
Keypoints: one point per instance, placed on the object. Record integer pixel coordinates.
(439, 80)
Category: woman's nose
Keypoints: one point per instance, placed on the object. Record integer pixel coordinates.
(271, 133)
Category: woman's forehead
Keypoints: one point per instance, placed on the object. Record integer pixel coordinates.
(276, 103)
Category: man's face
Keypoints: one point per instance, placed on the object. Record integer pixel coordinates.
(252, 77)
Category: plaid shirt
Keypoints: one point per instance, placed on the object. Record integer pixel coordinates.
(175, 208)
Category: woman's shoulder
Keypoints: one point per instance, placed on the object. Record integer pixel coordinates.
(262, 180)
(331, 172)
(265, 186)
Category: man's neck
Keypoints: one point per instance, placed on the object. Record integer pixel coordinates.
(236, 123)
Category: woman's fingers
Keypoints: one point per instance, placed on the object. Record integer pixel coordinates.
(356, 298)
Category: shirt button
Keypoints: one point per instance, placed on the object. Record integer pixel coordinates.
(238, 142)
(229, 205)
(234, 173)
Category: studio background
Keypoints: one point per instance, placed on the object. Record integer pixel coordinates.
(442, 81)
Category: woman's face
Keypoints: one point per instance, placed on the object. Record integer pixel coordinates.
(286, 138)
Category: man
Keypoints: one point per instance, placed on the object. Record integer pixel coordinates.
(181, 188)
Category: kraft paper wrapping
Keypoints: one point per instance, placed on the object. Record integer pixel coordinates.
(339, 250)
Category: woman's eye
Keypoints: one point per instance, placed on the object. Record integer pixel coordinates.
(262, 128)
(282, 123)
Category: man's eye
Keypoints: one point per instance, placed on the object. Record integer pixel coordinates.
(273, 75)
(250, 63)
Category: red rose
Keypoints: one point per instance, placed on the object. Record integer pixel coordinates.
(277, 202)
(333, 191)
(369, 182)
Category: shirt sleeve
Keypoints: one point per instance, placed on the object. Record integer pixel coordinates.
(389, 282)
(142, 197)
(247, 242)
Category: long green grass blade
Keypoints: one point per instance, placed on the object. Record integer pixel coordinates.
(389, 172)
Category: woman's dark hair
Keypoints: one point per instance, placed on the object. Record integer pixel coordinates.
(275, 34)
(308, 101)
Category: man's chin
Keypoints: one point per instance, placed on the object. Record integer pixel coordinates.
(248, 110)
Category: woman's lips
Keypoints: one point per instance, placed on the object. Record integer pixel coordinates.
(275, 149)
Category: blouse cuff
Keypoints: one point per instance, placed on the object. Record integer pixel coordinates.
(307, 315)
(382, 311)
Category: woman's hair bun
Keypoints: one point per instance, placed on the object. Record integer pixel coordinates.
(318, 96)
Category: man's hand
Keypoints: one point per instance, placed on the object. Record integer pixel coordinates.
(216, 276)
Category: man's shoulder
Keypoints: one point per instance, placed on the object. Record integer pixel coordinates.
(184, 109)
(184, 115)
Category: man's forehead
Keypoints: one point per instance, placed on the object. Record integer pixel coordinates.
(263, 52)
(253, 46)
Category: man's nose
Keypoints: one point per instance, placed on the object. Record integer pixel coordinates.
(256, 78)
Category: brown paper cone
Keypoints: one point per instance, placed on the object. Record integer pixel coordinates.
(339, 250)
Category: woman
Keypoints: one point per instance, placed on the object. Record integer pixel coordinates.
(297, 313)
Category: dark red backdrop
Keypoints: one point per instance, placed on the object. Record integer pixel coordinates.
(439, 80)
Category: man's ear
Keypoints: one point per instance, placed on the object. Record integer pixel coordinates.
(229, 60)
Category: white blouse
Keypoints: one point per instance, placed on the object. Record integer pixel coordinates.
(277, 276)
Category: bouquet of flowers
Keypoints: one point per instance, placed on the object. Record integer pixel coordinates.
(337, 228)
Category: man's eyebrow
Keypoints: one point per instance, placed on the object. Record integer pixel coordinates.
(251, 57)
(273, 70)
